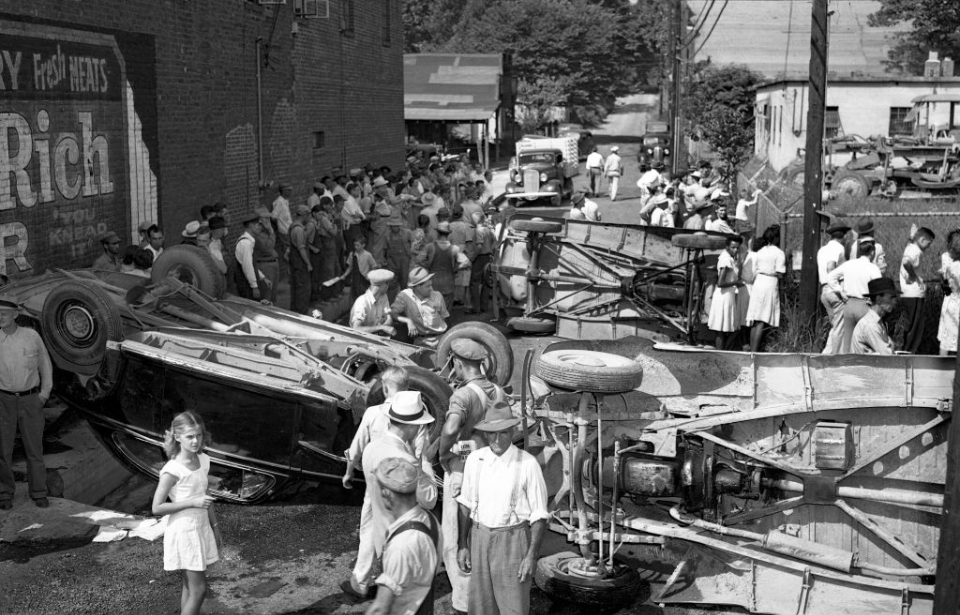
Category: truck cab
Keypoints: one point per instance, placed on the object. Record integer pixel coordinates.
(543, 169)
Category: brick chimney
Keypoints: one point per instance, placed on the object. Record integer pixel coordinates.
(946, 67)
(931, 68)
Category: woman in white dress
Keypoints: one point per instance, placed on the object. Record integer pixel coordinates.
(950, 311)
(724, 314)
(770, 263)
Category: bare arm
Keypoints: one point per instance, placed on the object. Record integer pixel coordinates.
(463, 538)
(383, 603)
(448, 437)
(529, 562)
(162, 507)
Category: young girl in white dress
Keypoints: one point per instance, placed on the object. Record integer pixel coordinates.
(724, 313)
(770, 264)
(192, 536)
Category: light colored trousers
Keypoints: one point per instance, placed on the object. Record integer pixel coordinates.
(614, 183)
(459, 581)
(834, 307)
(495, 556)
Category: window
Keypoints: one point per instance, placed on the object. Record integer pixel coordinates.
(346, 16)
(899, 124)
(831, 123)
(387, 10)
(319, 139)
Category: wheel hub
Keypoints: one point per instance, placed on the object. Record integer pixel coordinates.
(78, 323)
(583, 568)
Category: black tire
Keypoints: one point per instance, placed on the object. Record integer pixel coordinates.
(699, 241)
(621, 588)
(536, 226)
(586, 370)
(499, 363)
(77, 320)
(435, 390)
(851, 184)
(190, 265)
(527, 324)
(794, 177)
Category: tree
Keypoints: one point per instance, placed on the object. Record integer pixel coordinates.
(935, 26)
(719, 106)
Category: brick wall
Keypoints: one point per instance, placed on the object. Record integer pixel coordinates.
(181, 127)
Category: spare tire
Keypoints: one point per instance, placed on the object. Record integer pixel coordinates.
(499, 363)
(77, 320)
(191, 265)
(529, 324)
(554, 577)
(850, 184)
(699, 241)
(536, 226)
(586, 370)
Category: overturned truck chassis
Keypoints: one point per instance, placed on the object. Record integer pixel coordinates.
(782, 484)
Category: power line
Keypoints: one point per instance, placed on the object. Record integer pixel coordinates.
(715, 22)
(701, 20)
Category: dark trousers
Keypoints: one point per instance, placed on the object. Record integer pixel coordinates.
(299, 284)
(913, 333)
(27, 413)
(594, 180)
(478, 287)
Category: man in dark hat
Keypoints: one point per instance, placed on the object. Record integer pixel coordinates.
(829, 257)
(253, 284)
(865, 229)
(299, 261)
(503, 505)
(26, 379)
(468, 405)
(410, 554)
(870, 335)
(110, 260)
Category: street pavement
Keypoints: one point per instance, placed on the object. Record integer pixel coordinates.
(284, 557)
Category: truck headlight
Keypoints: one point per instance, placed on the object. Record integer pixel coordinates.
(650, 151)
(666, 152)
(543, 177)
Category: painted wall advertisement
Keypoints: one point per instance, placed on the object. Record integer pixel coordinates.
(76, 158)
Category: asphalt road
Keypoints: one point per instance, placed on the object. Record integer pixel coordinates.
(288, 556)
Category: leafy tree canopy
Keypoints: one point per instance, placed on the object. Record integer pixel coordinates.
(935, 27)
(719, 106)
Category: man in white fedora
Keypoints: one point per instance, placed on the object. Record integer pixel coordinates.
(421, 308)
(503, 515)
(407, 414)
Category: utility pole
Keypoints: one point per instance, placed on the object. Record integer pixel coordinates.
(946, 596)
(678, 32)
(813, 163)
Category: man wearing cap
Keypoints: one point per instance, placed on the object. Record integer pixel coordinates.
(251, 282)
(661, 215)
(421, 308)
(576, 206)
(468, 405)
(280, 208)
(864, 230)
(411, 550)
(265, 255)
(379, 219)
(486, 243)
(829, 257)
(397, 255)
(407, 414)
(612, 170)
(870, 335)
(26, 379)
(110, 260)
(189, 233)
(503, 516)
(300, 267)
(849, 282)
(371, 310)
(650, 180)
(594, 165)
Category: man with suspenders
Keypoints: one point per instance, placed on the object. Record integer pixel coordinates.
(468, 405)
(503, 516)
(411, 554)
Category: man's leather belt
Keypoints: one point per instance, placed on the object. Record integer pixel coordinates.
(35, 389)
(267, 260)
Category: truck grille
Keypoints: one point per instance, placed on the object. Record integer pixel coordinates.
(531, 180)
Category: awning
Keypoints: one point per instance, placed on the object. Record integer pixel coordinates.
(451, 87)
(937, 98)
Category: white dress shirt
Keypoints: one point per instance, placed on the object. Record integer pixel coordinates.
(832, 252)
(503, 490)
(853, 276)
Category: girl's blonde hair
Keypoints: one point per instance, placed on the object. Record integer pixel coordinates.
(182, 422)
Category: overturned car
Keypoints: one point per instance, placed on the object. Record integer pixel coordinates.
(280, 393)
(778, 483)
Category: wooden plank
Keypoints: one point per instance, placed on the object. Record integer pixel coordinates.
(947, 596)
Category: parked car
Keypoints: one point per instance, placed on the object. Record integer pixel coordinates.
(281, 393)
(543, 169)
(655, 149)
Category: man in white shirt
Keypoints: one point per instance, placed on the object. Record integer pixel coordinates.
(742, 216)
(870, 335)
(155, 241)
(661, 216)
(722, 223)
(650, 179)
(613, 169)
(281, 213)
(829, 257)
(594, 169)
(913, 288)
(850, 283)
(407, 413)
(503, 515)
(244, 255)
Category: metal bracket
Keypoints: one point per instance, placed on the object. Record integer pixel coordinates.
(819, 490)
(804, 592)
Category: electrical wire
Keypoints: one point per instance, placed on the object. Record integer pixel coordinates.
(712, 28)
(786, 52)
(701, 20)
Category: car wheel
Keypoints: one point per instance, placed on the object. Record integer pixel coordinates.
(190, 265)
(698, 241)
(499, 363)
(585, 370)
(77, 321)
(536, 226)
(851, 184)
(555, 577)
